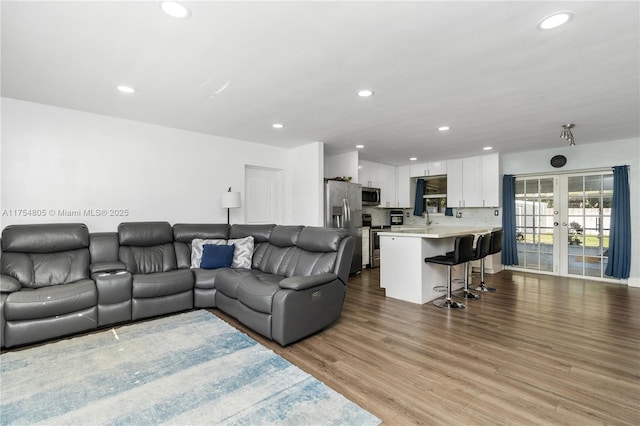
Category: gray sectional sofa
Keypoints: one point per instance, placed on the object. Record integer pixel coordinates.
(285, 282)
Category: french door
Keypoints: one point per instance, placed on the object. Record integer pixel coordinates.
(563, 222)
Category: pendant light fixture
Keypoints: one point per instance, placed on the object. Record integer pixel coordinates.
(566, 133)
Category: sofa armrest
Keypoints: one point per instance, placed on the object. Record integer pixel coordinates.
(98, 267)
(305, 282)
(8, 284)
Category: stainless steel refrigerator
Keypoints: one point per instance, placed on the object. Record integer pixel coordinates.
(343, 209)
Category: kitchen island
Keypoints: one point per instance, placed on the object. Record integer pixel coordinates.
(403, 272)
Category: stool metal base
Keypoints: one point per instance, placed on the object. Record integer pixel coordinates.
(466, 294)
(448, 304)
(482, 287)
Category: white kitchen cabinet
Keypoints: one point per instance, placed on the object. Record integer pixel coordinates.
(403, 187)
(372, 174)
(491, 180)
(381, 176)
(473, 181)
(388, 187)
(435, 168)
(418, 170)
(403, 272)
(430, 168)
(454, 183)
(366, 171)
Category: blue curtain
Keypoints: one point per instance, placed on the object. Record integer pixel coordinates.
(418, 207)
(509, 243)
(619, 252)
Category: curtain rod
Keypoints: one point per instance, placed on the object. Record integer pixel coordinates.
(567, 172)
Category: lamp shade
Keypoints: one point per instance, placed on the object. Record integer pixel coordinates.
(230, 200)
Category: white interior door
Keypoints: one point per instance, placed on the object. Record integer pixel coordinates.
(264, 199)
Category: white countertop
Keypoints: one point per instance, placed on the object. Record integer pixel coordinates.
(438, 231)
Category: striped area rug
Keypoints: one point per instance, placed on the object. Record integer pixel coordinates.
(186, 369)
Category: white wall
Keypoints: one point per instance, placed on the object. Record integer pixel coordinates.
(585, 157)
(307, 183)
(342, 165)
(56, 160)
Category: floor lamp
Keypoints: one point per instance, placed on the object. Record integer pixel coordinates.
(230, 200)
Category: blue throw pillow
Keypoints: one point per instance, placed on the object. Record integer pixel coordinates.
(217, 256)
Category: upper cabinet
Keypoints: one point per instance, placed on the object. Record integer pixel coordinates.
(474, 181)
(381, 176)
(491, 180)
(455, 183)
(431, 168)
(404, 187)
(369, 174)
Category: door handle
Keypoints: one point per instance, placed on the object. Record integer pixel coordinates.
(346, 213)
(555, 223)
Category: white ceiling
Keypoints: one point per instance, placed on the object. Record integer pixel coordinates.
(234, 68)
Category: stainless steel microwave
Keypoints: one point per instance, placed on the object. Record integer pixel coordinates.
(370, 196)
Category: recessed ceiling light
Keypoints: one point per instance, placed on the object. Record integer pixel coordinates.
(277, 126)
(555, 20)
(359, 146)
(443, 128)
(175, 9)
(413, 159)
(488, 148)
(365, 93)
(126, 89)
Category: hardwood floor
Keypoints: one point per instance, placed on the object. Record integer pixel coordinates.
(541, 350)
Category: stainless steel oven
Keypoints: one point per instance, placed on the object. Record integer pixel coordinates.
(374, 245)
(396, 217)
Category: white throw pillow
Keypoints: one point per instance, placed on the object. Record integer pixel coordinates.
(243, 252)
(196, 250)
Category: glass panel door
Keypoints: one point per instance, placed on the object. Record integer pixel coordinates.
(535, 218)
(563, 223)
(588, 223)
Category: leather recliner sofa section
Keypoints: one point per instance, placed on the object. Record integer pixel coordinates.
(58, 279)
(46, 290)
(204, 279)
(296, 284)
(158, 286)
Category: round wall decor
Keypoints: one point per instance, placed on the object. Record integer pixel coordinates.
(558, 160)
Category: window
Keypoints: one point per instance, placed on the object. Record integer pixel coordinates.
(435, 194)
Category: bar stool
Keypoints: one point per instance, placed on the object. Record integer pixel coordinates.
(494, 247)
(462, 253)
(481, 250)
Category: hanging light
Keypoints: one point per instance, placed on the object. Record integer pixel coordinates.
(566, 133)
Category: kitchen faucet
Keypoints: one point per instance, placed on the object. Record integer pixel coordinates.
(428, 219)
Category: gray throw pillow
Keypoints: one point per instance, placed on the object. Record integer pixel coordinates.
(243, 253)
